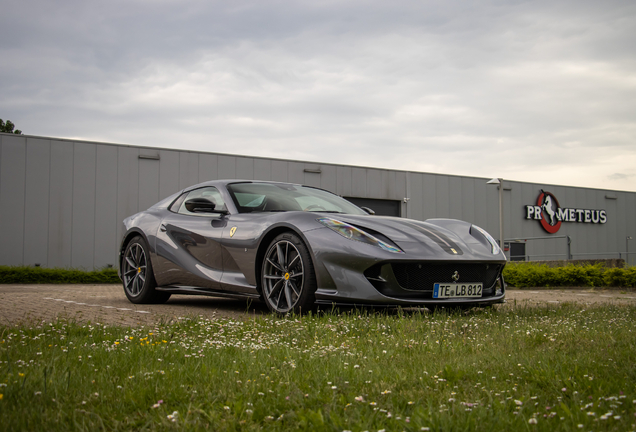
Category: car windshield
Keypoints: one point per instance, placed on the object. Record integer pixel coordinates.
(280, 197)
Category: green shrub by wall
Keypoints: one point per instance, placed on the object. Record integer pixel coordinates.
(518, 275)
(534, 275)
(39, 275)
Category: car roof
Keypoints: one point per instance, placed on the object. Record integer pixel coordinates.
(226, 182)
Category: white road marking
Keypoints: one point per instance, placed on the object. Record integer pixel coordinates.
(95, 305)
(583, 294)
(606, 296)
(553, 301)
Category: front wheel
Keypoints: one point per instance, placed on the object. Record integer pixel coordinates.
(288, 280)
(137, 276)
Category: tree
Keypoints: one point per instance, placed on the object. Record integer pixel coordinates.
(8, 127)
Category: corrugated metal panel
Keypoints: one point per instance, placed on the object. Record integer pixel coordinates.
(630, 209)
(36, 215)
(375, 187)
(12, 188)
(601, 239)
(279, 171)
(442, 204)
(428, 197)
(168, 173)
(83, 229)
(127, 185)
(455, 198)
(208, 167)
(188, 169)
(106, 222)
(263, 169)
(515, 214)
(621, 228)
(328, 178)
(245, 168)
(60, 204)
(358, 182)
(227, 167)
(295, 172)
(398, 187)
(415, 205)
(148, 182)
(468, 199)
(480, 206)
(491, 201)
(343, 188)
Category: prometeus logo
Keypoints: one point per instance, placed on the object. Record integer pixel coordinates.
(550, 214)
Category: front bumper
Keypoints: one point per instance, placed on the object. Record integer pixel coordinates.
(350, 272)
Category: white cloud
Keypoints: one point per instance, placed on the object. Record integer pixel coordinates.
(523, 90)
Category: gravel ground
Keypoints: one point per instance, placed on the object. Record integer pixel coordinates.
(108, 304)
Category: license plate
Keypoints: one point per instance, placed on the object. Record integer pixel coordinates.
(454, 290)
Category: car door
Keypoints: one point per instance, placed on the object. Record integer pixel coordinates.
(188, 243)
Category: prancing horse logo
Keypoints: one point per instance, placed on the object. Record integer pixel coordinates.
(455, 276)
(232, 231)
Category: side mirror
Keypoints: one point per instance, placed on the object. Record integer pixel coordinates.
(368, 210)
(200, 205)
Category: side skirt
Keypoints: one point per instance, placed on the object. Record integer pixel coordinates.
(206, 292)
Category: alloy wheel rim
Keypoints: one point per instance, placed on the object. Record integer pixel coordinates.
(283, 276)
(134, 269)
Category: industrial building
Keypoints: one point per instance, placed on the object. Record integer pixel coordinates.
(62, 201)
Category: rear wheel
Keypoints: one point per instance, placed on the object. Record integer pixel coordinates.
(137, 276)
(288, 280)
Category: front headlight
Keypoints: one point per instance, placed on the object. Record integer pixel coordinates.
(352, 233)
(494, 247)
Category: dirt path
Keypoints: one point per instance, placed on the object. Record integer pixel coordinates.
(108, 304)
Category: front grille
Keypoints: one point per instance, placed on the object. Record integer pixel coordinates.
(422, 276)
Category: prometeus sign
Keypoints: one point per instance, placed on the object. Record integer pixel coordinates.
(550, 214)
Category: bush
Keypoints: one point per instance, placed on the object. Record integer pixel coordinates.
(40, 275)
(540, 275)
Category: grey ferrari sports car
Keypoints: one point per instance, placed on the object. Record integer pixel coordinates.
(293, 246)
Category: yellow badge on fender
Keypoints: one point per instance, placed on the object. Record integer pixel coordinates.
(232, 231)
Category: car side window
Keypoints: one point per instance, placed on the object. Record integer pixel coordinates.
(211, 194)
(177, 203)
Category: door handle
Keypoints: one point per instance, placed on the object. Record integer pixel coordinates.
(163, 228)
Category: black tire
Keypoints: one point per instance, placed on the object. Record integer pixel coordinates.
(137, 276)
(288, 281)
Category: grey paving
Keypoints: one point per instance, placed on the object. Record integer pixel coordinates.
(108, 304)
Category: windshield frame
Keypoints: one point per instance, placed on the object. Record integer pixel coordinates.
(283, 197)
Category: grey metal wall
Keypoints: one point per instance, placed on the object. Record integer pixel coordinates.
(62, 201)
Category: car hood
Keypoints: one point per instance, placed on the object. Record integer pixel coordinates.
(434, 237)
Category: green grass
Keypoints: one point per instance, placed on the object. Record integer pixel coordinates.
(40, 275)
(499, 369)
(540, 275)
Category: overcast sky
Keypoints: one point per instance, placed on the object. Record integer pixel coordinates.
(541, 91)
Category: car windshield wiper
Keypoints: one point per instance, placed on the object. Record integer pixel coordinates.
(326, 211)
